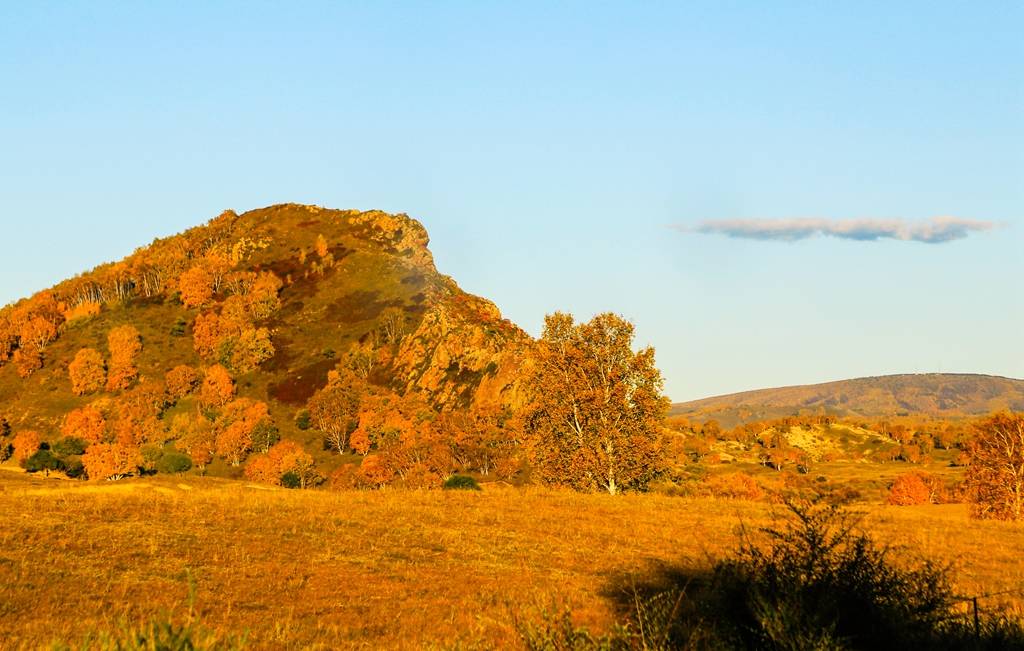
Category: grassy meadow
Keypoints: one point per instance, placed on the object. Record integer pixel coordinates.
(387, 569)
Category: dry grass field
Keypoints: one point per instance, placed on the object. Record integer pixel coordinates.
(389, 569)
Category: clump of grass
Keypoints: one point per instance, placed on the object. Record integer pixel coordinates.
(155, 635)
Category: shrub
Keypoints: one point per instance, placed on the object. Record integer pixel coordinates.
(909, 490)
(69, 446)
(74, 469)
(42, 461)
(302, 419)
(737, 485)
(173, 463)
(813, 583)
(460, 483)
(291, 479)
(178, 329)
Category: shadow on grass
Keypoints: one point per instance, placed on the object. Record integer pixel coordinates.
(812, 581)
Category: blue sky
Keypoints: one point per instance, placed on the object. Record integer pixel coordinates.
(550, 149)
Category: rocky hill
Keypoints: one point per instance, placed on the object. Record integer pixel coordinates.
(932, 394)
(281, 297)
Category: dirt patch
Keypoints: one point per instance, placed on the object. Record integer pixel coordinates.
(358, 306)
(296, 389)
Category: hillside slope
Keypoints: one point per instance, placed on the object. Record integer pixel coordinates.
(931, 394)
(352, 285)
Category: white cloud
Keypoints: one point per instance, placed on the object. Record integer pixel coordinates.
(933, 231)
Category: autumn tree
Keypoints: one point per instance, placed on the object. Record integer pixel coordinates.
(86, 423)
(111, 461)
(25, 444)
(282, 458)
(263, 299)
(180, 381)
(135, 415)
(910, 489)
(250, 349)
(194, 435)
(321, 246)
(87, 371)
(995, 474)
(334, 410)
(238, 427)
(217, 388)
(596, 405)
(124, 343)
(206, 334)
(195, 286)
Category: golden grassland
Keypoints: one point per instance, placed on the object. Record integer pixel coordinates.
(387, 569)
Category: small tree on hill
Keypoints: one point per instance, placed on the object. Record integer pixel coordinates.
(334, 410)
(125, 344)
(596, 405)
(87, 372)
(995, 474)
(25, 444)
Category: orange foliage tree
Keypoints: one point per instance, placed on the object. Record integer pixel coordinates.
(111, 461)
(218, 388)
(263, 298)
(910, 489)
(596, 406)
(86, 423)
(321, 246)
(124, 343)
(196, 286)
(136, 415)
(335, 409)
(249, 350)
(284, 457)
(206, 334)
(237, 428)
(194, 435)
(87, 371)
(995, 474)
(180, 381)
(25, 444)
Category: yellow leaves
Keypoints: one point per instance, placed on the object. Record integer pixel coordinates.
(196, 286)
(321, 246)
(180, 381)
(217, 388)
(596, 405)
(86, 423)
(111, 461)
(83, 310)
(87, 372)
(124, 343)
(25, 444)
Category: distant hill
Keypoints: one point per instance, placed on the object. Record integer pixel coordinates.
(928, 394)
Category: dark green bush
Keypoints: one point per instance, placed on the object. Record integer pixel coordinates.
(6, 450)
(178, 329)
(303, 419)
(151, 454)
(43, 461)
(70, 446)
(74, 469)
(172, 463)
(816, 582)
(291, 479)
(460, 483)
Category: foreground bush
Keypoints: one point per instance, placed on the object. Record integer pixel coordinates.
(157, 635)
(815, 583)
